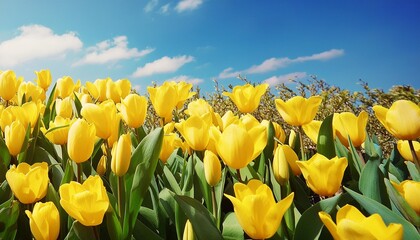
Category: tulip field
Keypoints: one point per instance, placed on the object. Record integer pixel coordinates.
(99, 161)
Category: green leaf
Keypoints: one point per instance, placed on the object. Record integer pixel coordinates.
(269, 148)
(325, 142)
(141, 231)
(309, 224)
(79, 231)
(301, 199)
(48, 110)
(200, 218)
(113, 224)
(9, 214)
(372, 206)
(204, 186)
(371, 183)
(415, 174)
(232, 230)
(170, 181)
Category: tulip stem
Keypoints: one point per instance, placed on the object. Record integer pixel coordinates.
(120, 203)
(359, 152)
(79, 172)
(413, 152)
(302, 144)
(95, 232)
(213, 200)
(238, 172)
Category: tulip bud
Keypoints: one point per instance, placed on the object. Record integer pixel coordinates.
(101, 168)
(64, 107)
(121, 155)
(280, 166)
(9, 84)
(188, 231)
(59, 130)
(212, 168)
(133, 110)
(14, 137)
(410, 190)
(44, 79)
(292, 139)
(44, 221)
(405, 151)
(81, 140)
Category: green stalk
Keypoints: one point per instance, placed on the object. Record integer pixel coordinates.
(302, 144)
(238, 173)
(214, 203)
(289, 215)
(79, 172)
(413, 152)
(120, 196)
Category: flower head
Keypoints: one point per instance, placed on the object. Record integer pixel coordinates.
(346, 125)
(298, 111)
(44, 221)
(247, 97)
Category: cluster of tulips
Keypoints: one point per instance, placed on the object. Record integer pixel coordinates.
(82, 164)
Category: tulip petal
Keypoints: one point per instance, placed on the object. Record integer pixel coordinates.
(329, 223)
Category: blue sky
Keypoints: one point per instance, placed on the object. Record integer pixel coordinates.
(201, 40)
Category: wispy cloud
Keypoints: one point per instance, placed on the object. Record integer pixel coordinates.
(188, 79)
(151, 5)
(275, 80)
(36, 42)
(165, 8)
(163, 65)
(188, 5)
(272, 64)
(111, 51)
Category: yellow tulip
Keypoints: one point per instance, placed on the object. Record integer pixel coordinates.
(404, 149)
(201, 108)
(102, 116)
(43, 79)
(402, 119)
(312, 130)
(212, 168)
(32, 112)
(346, 125)
(280, 166)
(14, 137)
(195, 131)
(247, 97)
(44, 221)
(124, 87)
(323, 175)
(101, 168)
(29, 183)
(87, 202)
(31, 92)
(291, 158)
(59, 130)
(115, 129)
(164, 100)
(279, 132)
(227, 119)
(81, 140)
(133, 110)
(121, 155)
(188, 231)
(64, 107)
(352, 224)
(98, 89)
(184, 92)
(249, 121)
(410, 190)
(65, 87)
(171, 141)
(238, 146)
(298, 111)
(292, 138)
(256, 209)
(9, 84)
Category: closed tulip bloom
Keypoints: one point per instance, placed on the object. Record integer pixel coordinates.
(279, 132)
(103, 116)
(43, 79)
(124, 87)
(312, 130)
(323, 175)
(184, 92)
(98, 89)
(352, 224)
(133, 110)
(247, 97)
(81, 140)
(212, 168)
(32, 111)
(292, 138)
(65, 86)
(298, 111)
(402, 119)
(87, 202)
(9, 84)
(164, 99)
(101, 168)
(256, 210)
(64, 107)
(201, 108)
(188, 231)
(195, 131)
(29, 183)
(59, 130)
(14, 137)
(346, 125)
(44, 221)
(121, 155)
(31, 92)
(410, 190)
(280, 166)
(238, 146)
(404, 149)
(171, 141)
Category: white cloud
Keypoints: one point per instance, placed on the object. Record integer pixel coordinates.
(163, 65)
(194, 81)
(272, 64)
(185, 5)
(274, 80)
(165, 8)
(111, 51)
(36, 42)
(151, 5)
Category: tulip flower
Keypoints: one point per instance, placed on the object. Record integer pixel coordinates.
(98, 89)
(15, 135)
(201, 108)
(249, 121)
(404, 149)
(171, 141)
(352, 224)
(280, 166)
(121, 155)
(402, 119)
(195, 131)
(65, 87)
(227, 119)
(29, 183)
(298, 111)
(292, 138)
(32, 111)
(58, 130)
(238, 146)
(323, 175)
(31, 92)
(312, 130)
(64, 107)
(346, 125)
(103, 116)
(184, 92)
(44, 221)
(124, 87)
(212, 168)
(9, 84)
(81, 140)
(87, 202)
(43, 79)
(101, 167)
(247, 97)
(256, 210)
(133, 110)
(410, 190)
(164, 100)
(188, 231)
